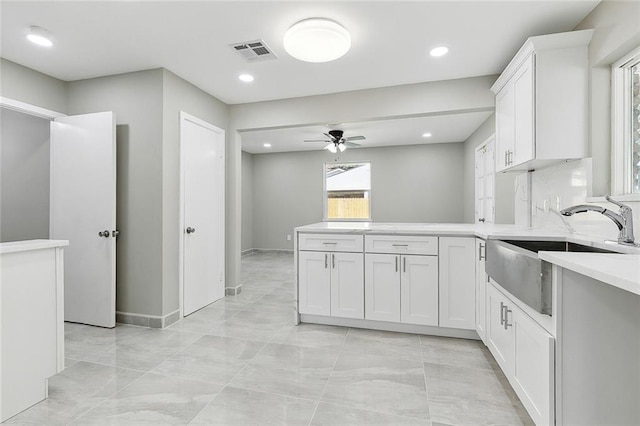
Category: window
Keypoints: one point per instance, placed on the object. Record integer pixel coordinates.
(347, 191)
(626, 124)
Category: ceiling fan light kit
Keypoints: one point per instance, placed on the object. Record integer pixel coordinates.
(336, 141)
(317, 40)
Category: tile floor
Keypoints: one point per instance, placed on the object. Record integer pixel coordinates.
(241, 361)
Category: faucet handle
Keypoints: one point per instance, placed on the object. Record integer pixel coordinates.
(617, 203)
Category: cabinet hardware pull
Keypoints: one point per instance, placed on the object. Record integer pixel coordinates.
(333, 261)
(396, 263)
(506, 318)
(404, 264)
(330, 243)
(326, 261)
(481, 219)
(480, 256)
(400, 245)
(502, 306)
(506, 154)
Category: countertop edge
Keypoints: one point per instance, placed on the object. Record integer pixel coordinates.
(583, 263)
(28, 245)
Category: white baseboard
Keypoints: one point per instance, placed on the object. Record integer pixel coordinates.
(151, 321)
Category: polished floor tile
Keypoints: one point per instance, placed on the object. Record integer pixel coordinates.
(242, 361)
(245, 407)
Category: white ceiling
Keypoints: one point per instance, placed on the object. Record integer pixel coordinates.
(390, 40)
(405, 131)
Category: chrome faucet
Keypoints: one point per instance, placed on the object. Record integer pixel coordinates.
(623, 219)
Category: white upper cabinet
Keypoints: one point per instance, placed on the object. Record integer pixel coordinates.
(541, 103)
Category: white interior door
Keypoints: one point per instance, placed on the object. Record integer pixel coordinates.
(83, 211)
(202, 148)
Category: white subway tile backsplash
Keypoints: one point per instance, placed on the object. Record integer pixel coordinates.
(567, 184)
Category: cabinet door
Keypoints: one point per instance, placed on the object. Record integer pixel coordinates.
(524, 107)
(419, 290)
(533, 367)
(347, 285)
(504, 125)
(314, 283)
(457, 271)
(481, 290)
(499, 338)
(382, 287)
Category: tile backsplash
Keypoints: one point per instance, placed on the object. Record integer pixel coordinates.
(543, 193)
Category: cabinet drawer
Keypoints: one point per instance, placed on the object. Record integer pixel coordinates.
(398, 244)
(330, 242)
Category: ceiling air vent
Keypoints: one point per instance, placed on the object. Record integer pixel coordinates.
(253, 51)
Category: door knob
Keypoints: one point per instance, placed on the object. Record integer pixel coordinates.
(104, 233)
(191, 230)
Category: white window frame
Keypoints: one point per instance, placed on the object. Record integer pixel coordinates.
(621, 180)
(325, 199)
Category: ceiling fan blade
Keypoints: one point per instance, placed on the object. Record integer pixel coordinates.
(355, 138)
(351, 144)
(329, 136)
(317, 140)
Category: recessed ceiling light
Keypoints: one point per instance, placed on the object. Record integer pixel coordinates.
(426, 135)
(317, 40)
(439, 51)
(267, 145)
(39, 36)
(247, 78)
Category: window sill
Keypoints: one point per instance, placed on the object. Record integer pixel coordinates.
(623, 198)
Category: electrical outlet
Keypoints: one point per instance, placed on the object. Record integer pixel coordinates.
(288, 237)
(558, 203)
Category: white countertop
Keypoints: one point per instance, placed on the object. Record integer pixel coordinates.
(619, 270)
(26, 245)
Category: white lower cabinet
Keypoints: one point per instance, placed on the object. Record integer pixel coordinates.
(401, 288)
(331, 284)
(457, 282)
(525, 352)
(481, 290)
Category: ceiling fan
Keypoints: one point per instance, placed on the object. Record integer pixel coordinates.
(337, 142)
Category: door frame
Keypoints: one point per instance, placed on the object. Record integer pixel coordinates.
(184, 117)
(480, 147)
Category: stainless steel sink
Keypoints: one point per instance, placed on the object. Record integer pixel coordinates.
(514, 264)
(537, 245)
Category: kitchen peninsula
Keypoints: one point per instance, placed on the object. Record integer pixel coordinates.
(31, 321)
(430, 279)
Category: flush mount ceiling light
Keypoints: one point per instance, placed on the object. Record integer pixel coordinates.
(247, 78)
(439, 51)
(39, 36)
(317, 40)
(426, 135)
(267, 145)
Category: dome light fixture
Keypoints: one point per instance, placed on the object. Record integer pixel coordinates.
(267, 145)
(317, 40)
(247, 78)
(39, 36)
(426, 135)
(439, 51)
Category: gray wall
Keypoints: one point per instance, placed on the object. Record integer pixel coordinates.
(136, 99)
(179, 95)
(617, 32)
(26, 85)
(24, 176)
(505, 182)
(247, 201)
(414, 183)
